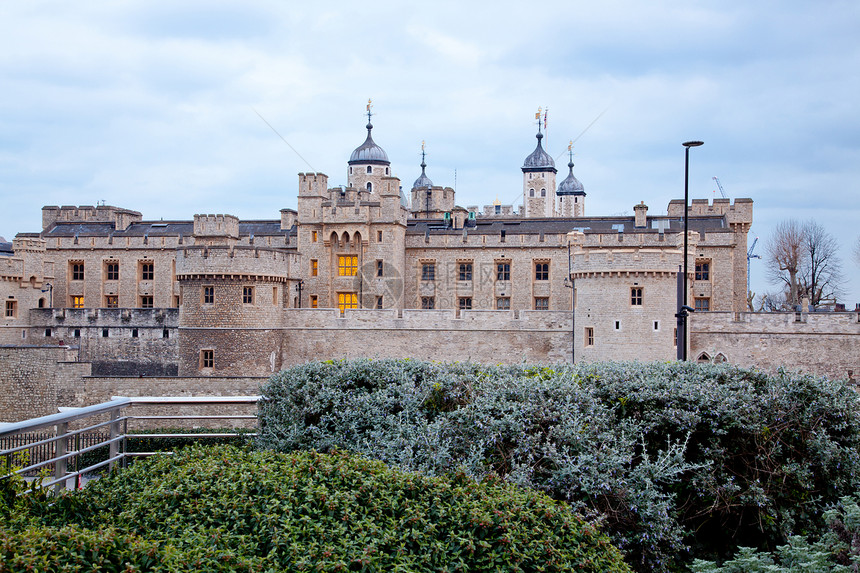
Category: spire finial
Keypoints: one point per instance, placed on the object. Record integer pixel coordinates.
(570, 153)
(423, 165)
(537, 117)
(369, 113)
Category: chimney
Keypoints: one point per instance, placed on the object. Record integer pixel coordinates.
(641, 211)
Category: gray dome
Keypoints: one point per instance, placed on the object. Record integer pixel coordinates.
(369, 152)
(539, 160)
(423, 181)
(571, 185)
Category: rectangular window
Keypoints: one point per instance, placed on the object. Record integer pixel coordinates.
(636, 296)
(675, 337)
(347, 265)
(105, 332)
(77, 271)
(703, 270)
(378, 267)
(541, 271)
(465, 272)
(315, 267)
(247, 295)
(76, 301)
(208, 295)
(146, 301)
(589, 336)
(176, 301)
(207, 359)
(379, 302)
(11, 308)
(465, 303)
(428, 272)
(503, 271)
(112, 271)
(541, 303)
(428, 302)
(314, 301)
(346, 300)
(617, 325)
(48, 333)
(165, 333)
(314, 236)
(111, 301)
(503, 303)
(275, 296)
(379, 236)
(77, 333)
(134, 333)
(703, 304)
(147, 271)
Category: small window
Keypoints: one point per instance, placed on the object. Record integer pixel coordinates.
(247, 295)
(134, 333)
(656, 325)
(77, 271)
(314, 301)
(703, 270)
(347, 265)
(589, 336)
(541, 271)
(428, 272)
(315, 266)
(541, 303)
(379, 302)
(379, 267)
(104, 332)
(165, 333)
(498, 210)
(111, 301)
(77, 333)
(42, 303)
(465, 303)
(617, 325)
(379, 236)
(146, 301)
(147, 271)
(48, 333)
(702, 304)
(208, 294)
(531, 192)
(675, 337)
(207, 359)
(275, 295)
(369, 186)
(543, 192)
(636, 296)
(112, 271)
(503, 271)
(11, 309)
(77, 301)
(369, 170)
(503, 303)
(314, 236)
(386, 170)
(428, 302)
(466, 273)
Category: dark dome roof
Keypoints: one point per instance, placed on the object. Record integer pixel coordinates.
(571, 185)
(423, 181)
(539, 160)
(369, 152)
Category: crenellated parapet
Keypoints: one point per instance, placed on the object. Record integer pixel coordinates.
(738, 212)
(223, 261)
(121, 218)
(216, 228)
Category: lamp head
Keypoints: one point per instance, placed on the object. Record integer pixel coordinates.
(693, 143)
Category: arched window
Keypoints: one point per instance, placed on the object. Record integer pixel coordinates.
(531, 192)
(350, 170)
(42, 303)
(369, 170)
(543, 192)
(703, 358)
(369, 187)
(719, 358)
(386, 170)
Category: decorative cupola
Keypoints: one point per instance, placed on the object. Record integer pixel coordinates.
(429, 201)
(571, 193)
(423, 182)
(368, 163)
(539, 178)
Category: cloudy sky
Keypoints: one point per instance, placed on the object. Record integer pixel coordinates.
(152, 105)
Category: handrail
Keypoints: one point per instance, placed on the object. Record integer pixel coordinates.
(118, 435)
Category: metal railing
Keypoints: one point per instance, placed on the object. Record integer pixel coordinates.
(58, 447)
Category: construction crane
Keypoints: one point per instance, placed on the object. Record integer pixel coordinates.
(750, 256)
(723, 193)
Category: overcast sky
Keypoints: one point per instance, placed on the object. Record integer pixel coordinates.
(150, 105)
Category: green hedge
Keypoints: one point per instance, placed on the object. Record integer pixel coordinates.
(674, 459)
(228, 509)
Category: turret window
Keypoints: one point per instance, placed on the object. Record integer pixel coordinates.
(531, 192)
(369, 170)
(543, 192)
(369, 187)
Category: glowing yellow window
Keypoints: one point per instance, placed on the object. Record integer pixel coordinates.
(314, 267)
(77, 302)
(347, 266)
(346, 300)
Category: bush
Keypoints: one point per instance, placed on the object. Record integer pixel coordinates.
(225, 509)
(665, 455)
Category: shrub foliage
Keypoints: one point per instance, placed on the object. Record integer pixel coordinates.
(229, 509)
(671, 457)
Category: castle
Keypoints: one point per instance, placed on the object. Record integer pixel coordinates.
(369, 269)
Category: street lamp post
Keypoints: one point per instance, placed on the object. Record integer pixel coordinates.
(683, 312)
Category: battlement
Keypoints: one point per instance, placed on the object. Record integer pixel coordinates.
(313, 184)
(216, 226)
(738, 212)
(28, 244)
(121, 218)
(227, 260)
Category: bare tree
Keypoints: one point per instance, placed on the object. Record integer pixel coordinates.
(784, 255)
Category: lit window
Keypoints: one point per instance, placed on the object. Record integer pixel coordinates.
(314, 236)
(247, 295)
(703, 270)
(146, 301)
(636, 296)
(541, 271)
(428, 272)
(428, 302)
(207, 359)
(77, 271)
(208, 295)
(314, 301)
(503, 303)
(503, 271)
(466, 273)
(77, 302)
(112, 271)
(465, 303)
(347, 265)
(379, 268)
(589, 336)
(111, 301)
(703, 304)
(147, 271)
(541, 303)
(11, 308)
(315, 266)
(346, 300)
